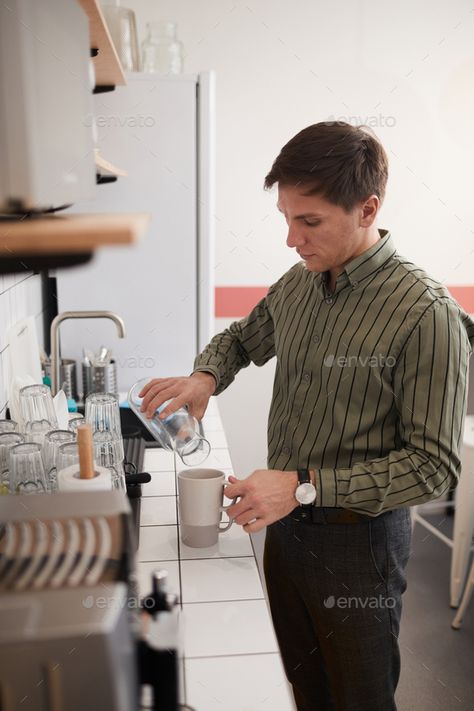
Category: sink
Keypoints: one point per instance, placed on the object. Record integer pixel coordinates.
(130, 423)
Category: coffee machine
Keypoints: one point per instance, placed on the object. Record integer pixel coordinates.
(74, 633)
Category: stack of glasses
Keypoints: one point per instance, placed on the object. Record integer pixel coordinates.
(34, 450)
(103, 415)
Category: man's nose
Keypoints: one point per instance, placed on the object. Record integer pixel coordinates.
(295, 236)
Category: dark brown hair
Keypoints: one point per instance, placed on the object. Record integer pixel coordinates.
(343, 163)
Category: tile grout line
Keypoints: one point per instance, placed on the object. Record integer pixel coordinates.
(215, 602)
(246, 654)
(174, 560)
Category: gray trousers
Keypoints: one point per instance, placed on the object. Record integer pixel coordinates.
(335, 596)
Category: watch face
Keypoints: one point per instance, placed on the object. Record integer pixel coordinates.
(305, 493)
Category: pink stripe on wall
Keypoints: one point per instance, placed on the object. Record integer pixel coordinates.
(464, 295)
(238, 301)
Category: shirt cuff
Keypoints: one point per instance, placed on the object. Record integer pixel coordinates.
(211, 370)
(332, 486)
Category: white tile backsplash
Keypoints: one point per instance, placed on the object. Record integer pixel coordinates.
(20, 296)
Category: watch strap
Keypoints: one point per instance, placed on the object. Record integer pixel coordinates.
(304, 476)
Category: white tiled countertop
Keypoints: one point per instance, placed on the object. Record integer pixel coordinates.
(231, 659)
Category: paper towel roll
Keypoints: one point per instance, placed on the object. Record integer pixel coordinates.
(69, 479)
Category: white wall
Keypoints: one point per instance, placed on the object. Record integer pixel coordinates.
(406, 69)
(20, 296)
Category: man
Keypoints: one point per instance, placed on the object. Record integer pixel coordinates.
(366, 419)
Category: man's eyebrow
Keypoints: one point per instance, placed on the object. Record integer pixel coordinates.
(305, 215)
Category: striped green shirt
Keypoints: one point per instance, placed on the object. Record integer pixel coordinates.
(371, 380)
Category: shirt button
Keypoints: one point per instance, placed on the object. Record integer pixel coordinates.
(285, 450)
(306, 376)
(316, 338)
(329, 301)
(355, 284)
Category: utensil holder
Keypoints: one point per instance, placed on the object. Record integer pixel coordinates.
(67, 377)
(99, 378)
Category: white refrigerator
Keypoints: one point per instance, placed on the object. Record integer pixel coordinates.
(160, 129)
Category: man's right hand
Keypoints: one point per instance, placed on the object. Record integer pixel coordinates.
(193, 391)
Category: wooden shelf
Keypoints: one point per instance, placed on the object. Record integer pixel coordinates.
(108, 69)
(69, 234)
(104, 166)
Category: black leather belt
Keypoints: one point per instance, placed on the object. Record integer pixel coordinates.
(325, 514)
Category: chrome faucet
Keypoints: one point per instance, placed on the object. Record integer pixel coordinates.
(64, 316)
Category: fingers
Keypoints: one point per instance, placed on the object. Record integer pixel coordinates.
(174, 405)
(240, 510)
(245, 518)
(155, 381)
(152, 388)
(186, 390)
(255, 526)
(159, 394)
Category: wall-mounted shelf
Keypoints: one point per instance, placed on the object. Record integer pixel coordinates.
(52, 242)
(108, 70)
(104, 166)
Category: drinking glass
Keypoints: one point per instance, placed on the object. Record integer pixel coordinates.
(74, 423)
(7, 441)
(52, 441)
(36, 406)
(8, 426)
(109, 453)
(68, 453)
(122, 26)
(103, 415)
(35, 431)
(27, 475)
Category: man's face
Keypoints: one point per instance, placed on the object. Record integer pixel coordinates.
(324, 235)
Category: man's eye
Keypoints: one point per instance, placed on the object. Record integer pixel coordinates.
(311, 223)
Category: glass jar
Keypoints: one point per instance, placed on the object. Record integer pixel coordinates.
(162, 52)
(123, 30)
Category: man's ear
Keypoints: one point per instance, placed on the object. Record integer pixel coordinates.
(369, 211)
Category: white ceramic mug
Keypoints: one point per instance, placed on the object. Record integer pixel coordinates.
(201, 494)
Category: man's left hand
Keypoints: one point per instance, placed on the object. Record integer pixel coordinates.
(265, 496)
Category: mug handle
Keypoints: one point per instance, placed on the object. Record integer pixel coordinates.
(231, 520)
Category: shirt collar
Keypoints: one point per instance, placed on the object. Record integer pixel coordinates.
(372, 259)
(362, 266)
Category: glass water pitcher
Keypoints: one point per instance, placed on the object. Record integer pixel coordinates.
(179, 432)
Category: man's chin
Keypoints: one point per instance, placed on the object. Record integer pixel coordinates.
(313, 264)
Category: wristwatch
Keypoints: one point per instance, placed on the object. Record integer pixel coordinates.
(305, 493)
